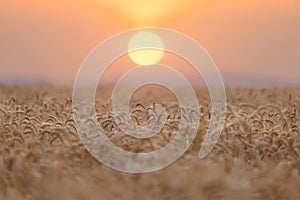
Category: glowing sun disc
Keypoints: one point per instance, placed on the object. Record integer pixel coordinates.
(145, 48)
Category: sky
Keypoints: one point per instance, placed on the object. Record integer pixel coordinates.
(251, 41)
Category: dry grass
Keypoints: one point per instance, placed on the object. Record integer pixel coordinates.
(257, 156)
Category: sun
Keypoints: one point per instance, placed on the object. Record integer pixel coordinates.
(145, 48)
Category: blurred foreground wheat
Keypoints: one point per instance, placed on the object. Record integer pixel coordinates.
(256, 157)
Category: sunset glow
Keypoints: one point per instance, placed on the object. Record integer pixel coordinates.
(144, 12)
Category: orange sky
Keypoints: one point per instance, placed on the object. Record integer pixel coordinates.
(49, 39)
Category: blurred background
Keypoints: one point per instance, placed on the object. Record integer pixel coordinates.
(252, 42)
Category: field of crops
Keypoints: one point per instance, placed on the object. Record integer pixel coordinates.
(256, 157)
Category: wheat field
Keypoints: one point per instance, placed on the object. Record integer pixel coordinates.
(256, 157)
